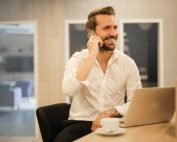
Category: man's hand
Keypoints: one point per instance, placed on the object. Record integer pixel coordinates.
(110, 113)
(96, 123)
(93, 44)
(85, 67)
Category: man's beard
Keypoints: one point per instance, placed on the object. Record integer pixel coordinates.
(104, 47)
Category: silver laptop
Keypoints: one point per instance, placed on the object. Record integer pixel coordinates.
(149, 106)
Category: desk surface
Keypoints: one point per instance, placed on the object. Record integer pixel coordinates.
(162, 132)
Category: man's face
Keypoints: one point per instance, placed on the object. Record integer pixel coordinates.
(107, 29)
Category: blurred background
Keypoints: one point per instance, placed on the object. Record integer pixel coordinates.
(37, 37)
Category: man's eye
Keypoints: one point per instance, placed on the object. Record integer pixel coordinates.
(106, 28)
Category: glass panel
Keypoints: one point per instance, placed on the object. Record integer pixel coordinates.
(141, 44)
(78, 37)
(17, 103)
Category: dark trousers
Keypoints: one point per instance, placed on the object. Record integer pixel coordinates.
(73, 130)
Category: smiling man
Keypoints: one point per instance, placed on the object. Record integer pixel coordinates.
(97, 78)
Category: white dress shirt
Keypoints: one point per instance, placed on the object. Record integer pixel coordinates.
(101, 91)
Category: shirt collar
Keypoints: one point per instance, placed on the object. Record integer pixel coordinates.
(114, 56)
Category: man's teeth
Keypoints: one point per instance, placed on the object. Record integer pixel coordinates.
(111, 39)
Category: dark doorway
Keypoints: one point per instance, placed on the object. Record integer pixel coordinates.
(141, 44)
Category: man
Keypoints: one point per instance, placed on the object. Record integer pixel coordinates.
(97, 78)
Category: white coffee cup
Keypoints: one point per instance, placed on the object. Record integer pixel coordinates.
(109, 124)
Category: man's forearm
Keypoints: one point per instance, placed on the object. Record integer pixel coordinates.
(84, 69)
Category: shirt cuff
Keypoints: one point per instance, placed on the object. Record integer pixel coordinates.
(85, 82)
(122, 109)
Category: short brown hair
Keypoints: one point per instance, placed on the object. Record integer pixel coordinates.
(91, 22)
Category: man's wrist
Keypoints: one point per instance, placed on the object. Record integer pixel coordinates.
(92, 55)
(113, 112)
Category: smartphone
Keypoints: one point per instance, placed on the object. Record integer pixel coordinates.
(103, 47)
(90, 32)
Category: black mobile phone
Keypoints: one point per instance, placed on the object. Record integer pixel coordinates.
(90, 32)
(103, 47)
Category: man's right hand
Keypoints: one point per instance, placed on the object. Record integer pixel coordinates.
(85, 67)
(93, 44)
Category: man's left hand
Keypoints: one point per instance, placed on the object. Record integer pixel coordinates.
(96, 123)
(110, 113)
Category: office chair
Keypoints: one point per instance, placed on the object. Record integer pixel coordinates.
(50, 120)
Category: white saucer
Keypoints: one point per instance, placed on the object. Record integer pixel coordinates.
(117, 131)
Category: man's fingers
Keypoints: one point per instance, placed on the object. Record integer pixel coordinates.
(95, 125)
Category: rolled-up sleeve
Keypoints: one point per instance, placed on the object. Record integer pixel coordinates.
(133, 83)
(71, 85)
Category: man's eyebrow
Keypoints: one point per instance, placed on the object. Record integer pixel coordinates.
(106, 26)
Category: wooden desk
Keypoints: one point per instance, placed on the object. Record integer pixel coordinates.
(162, 132)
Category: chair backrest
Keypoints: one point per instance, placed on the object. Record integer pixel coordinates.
(50, 120)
